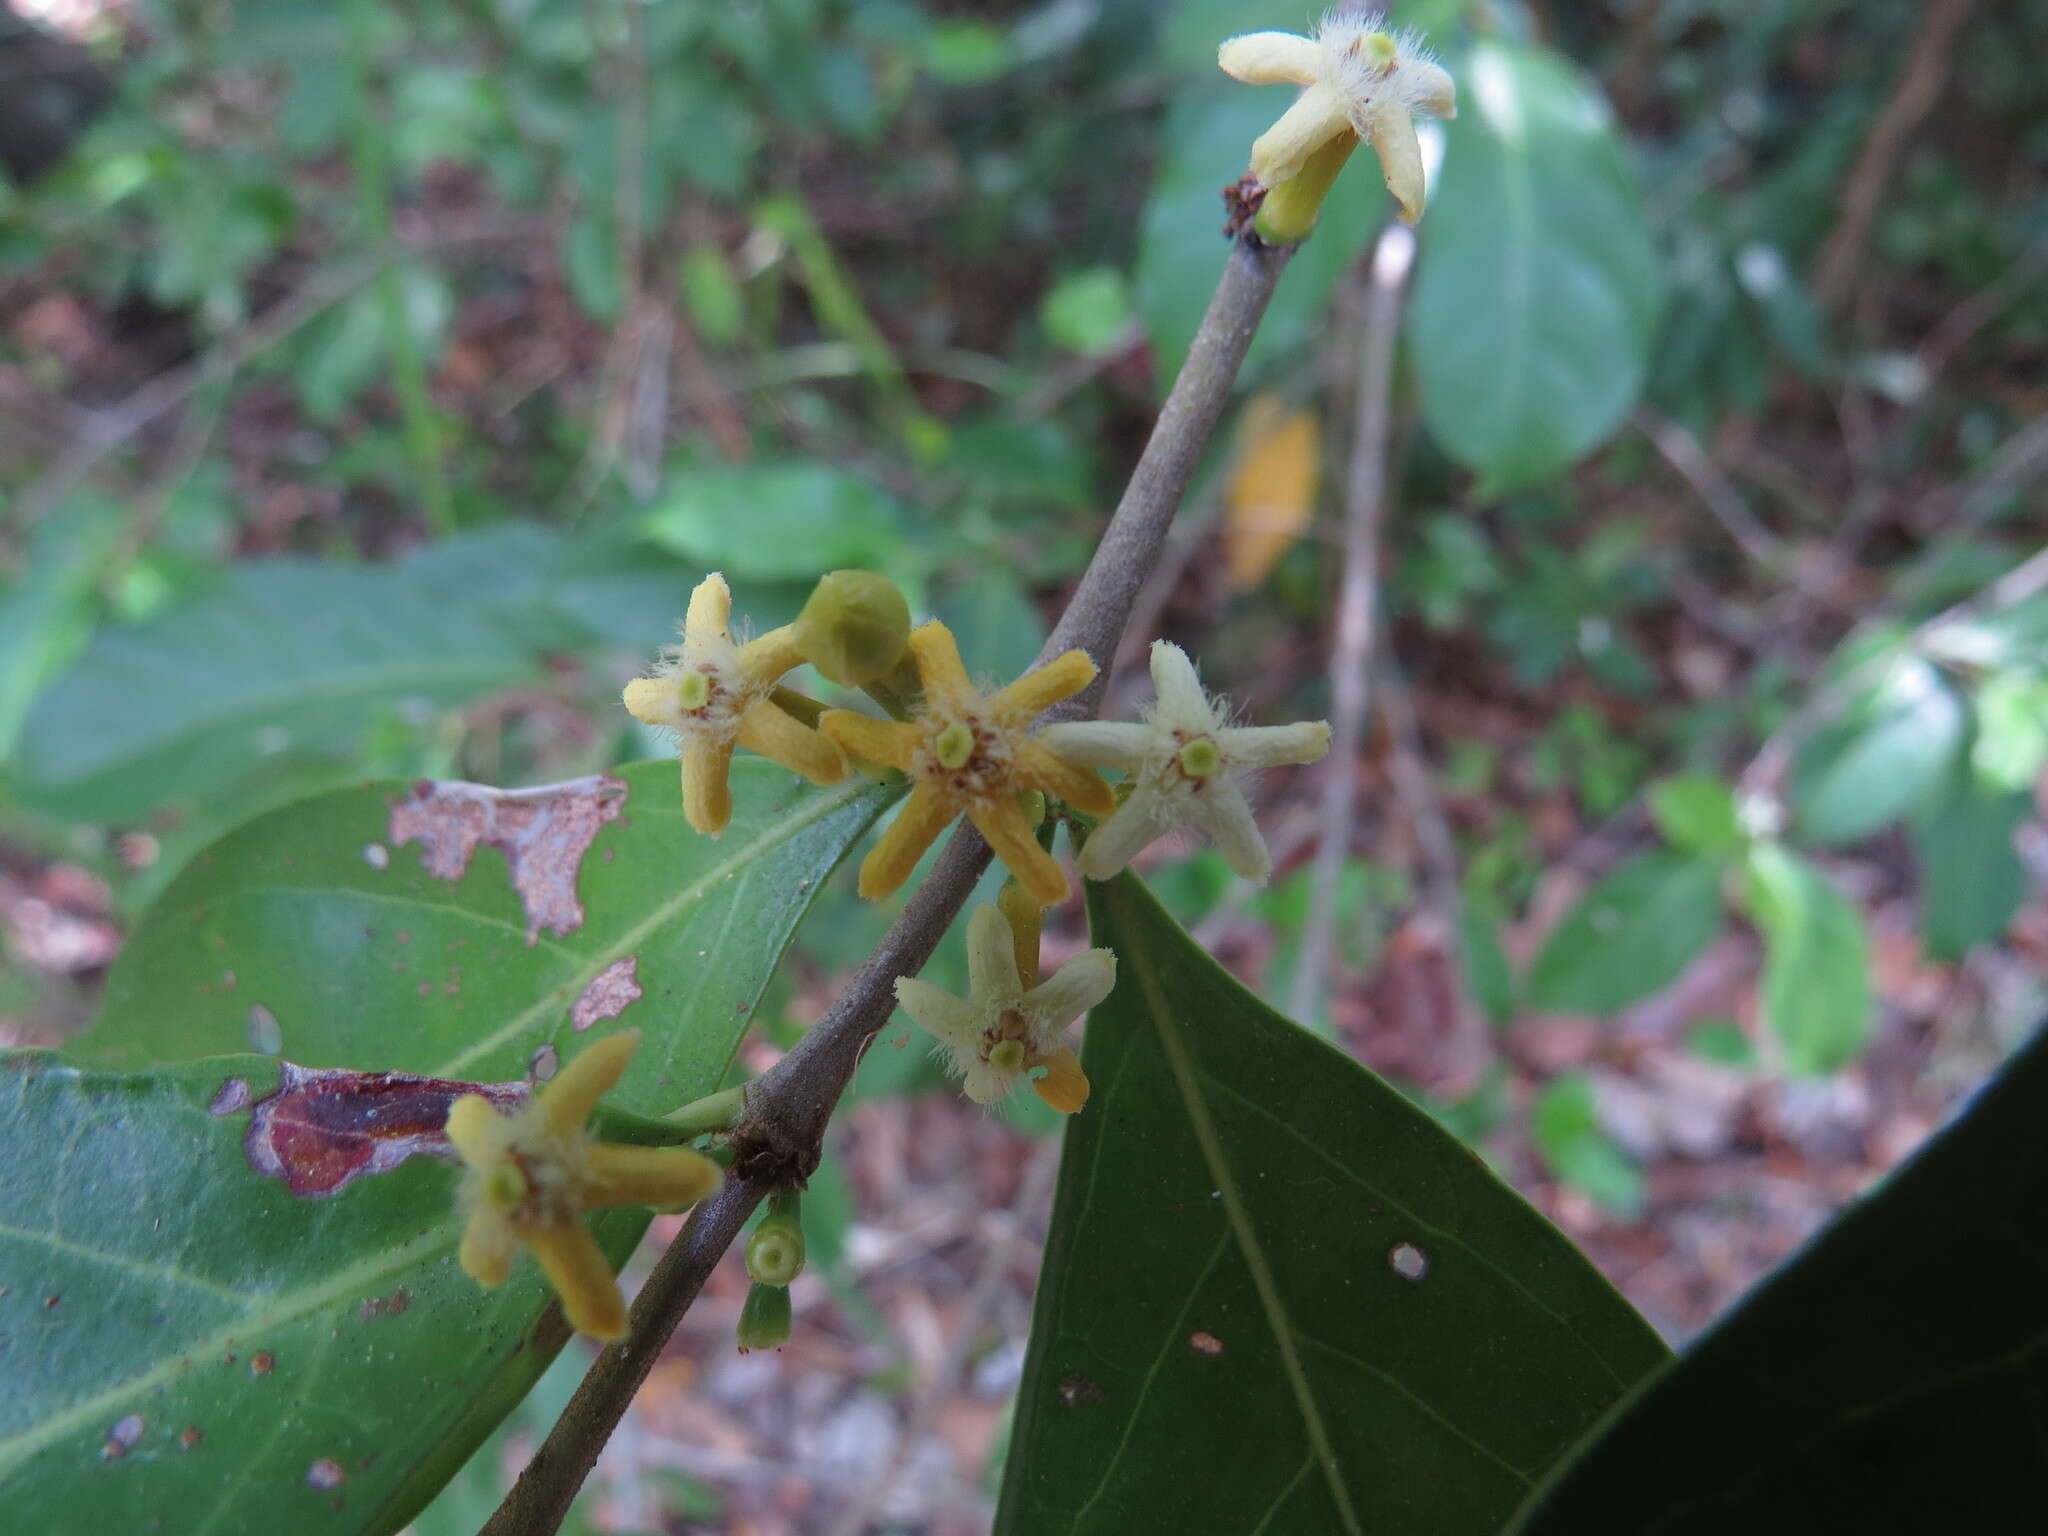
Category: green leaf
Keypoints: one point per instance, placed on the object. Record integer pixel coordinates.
(1883, 760)
(1889, 1379)
(998, 627)
(2011, 744)
(1564, 1123)
(324, 919)
(1630, 936)
(1181, 249)
(1816, 984)
(1697, 814)
(47, 615)
(186, 1337)
(1972, 881)
(1086, 311)
(282, 655)
(779, 522)
(1277, 1296)
(1536, 301)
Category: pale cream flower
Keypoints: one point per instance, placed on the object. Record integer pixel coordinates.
(1356, 78)
(1186, 765)
(1003, 1031)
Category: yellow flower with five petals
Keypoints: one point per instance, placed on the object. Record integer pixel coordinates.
(716, 695)
(530, 1176)
(970, 751)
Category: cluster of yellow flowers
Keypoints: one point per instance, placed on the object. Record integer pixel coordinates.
(966, 750)
(974, 751)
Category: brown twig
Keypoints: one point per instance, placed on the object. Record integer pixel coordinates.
(1351, 657)
(1926, 72)
(789, 1107)
(1682, 451)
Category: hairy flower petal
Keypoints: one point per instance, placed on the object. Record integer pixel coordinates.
(1073, 989)
(1317, 116)
(1270, 58)
(767, 730)
(578, 1270)
(992, 956)
(1222, 811)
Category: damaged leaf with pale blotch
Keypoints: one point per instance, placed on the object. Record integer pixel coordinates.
(361, 952)
(187, 1338)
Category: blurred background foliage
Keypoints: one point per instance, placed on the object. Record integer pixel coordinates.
(376, 379)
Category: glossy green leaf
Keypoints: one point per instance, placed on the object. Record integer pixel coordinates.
(1971, 876)
(185, 1337)
(283, 656)
(1277, 1296)
(1891, 1378)
(1630, 936)
(365, 1366)
(1538, 287)
(317, 923)
(1206, 145)
(1816, 984)
(1881, 762)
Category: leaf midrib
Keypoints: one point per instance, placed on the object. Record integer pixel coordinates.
(1277, 1319)
(634, 937)
(365, 1275)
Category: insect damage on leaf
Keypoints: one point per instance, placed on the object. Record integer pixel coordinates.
(325, 1127)
(611, 991)
(543, 833)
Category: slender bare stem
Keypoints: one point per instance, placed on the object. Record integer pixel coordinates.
(1351, 658)
(789, 1107)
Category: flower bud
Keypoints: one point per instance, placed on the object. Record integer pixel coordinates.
(764, 1319)
(1026, 914)
(1290, 210)
(853, 627)
(775, 1253)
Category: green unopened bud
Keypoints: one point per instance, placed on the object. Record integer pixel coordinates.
(1026, 915)
(764, 1319)
(1291, 209)
(853, 627)
(775, 1253)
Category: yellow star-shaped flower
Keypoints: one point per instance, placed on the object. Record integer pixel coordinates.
(970, 751)
(530, 1177)
(715, 696)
